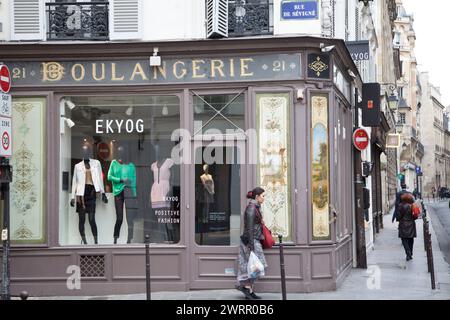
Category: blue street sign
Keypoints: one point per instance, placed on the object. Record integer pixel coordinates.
(418, 169)
(299, 10)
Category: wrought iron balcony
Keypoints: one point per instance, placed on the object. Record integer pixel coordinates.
(250, 17)
(77, 21)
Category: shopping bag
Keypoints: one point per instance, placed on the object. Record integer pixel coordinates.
(416, 209)
(255, 268)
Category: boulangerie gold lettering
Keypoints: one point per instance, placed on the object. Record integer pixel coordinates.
(161, 70)
(113, 73)
(217, 64)
(183, 70)
(94, 72)
(244, 67)
(196, 67)
(138, 71)
(81, 72)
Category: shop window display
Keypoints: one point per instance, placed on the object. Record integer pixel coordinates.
(119, 182)
(217, 196)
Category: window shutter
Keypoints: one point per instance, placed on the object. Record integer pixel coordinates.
(27, 21)
(125, 19)
(216, 18)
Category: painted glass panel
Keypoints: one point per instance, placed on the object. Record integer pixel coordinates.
(28, 162)
(273, 173)
(320, 167)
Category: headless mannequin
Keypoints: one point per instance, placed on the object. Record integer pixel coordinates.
(161, 188)
(125, 178)
(86, 203)
(208, 192)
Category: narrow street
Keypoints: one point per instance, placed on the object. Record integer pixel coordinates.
(440, 218)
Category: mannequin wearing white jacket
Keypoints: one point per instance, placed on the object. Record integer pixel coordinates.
(86, 182)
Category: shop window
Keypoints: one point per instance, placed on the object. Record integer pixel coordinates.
(28, 187)
(120, 146)
(320, 167)
(273, 173)
(217, 195)
(223, 114)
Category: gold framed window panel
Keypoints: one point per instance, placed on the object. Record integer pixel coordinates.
(28, 162)
(320, 167)
(273, 169)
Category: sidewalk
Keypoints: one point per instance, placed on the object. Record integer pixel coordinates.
(388, 276)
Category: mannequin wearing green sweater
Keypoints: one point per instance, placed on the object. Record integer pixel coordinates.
(122, 175)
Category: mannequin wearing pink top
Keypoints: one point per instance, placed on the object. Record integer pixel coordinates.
(161, 185)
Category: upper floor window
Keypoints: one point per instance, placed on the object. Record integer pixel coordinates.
(76, 20)
(72, 20)
(250, 17)
(402, 118)
(237, 18)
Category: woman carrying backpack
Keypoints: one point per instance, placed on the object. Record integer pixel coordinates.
(406, 224)
(250, 241)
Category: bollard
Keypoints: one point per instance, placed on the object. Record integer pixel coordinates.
(283, 275)
(433, 282)
(24, 295)
(147, 266)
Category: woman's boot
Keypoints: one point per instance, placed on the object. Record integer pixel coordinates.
(83, 239)
(95, 239)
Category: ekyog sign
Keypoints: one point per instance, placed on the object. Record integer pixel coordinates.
(299, 10)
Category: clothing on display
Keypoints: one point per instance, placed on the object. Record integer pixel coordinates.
(123, 179)
(161, 185)
(86, 205)
(122, 175)
(208, 195)
(86, 182)
(131, 205)
(79, 177)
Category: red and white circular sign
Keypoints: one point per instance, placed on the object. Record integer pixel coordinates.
(5, 78)
(360, 139)
(103, 150)
(5, 140)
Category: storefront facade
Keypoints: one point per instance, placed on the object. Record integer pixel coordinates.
(174, 148)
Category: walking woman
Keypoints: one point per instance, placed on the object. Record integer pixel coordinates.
(406, 224)
(250, 241)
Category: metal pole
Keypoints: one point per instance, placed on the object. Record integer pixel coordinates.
(361, 258)
(147, 266)
(282, 272)
(6, 293)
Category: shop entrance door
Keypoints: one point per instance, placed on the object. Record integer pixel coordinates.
(216, 186)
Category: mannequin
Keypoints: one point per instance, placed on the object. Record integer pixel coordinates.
(122, 175)
(161, 180)
(86, 182)
(208, 192)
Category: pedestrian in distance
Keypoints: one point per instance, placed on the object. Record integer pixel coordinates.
(250, 241)
(398, 200)
(406, 224)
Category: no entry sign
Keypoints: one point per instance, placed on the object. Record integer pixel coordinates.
(5, 79)
(360, 139)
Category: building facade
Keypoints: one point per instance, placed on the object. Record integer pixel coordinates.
(435, 131)
(412, 150)
(177, 144)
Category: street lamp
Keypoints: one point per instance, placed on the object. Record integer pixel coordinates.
(393, 101)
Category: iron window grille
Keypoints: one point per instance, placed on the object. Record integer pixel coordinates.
(77, 20)
(250, 17)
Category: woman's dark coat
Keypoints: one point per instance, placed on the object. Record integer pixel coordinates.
(252, 224)
(406, 223)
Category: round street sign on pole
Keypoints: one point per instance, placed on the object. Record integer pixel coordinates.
(360, 139)
(5, 78)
